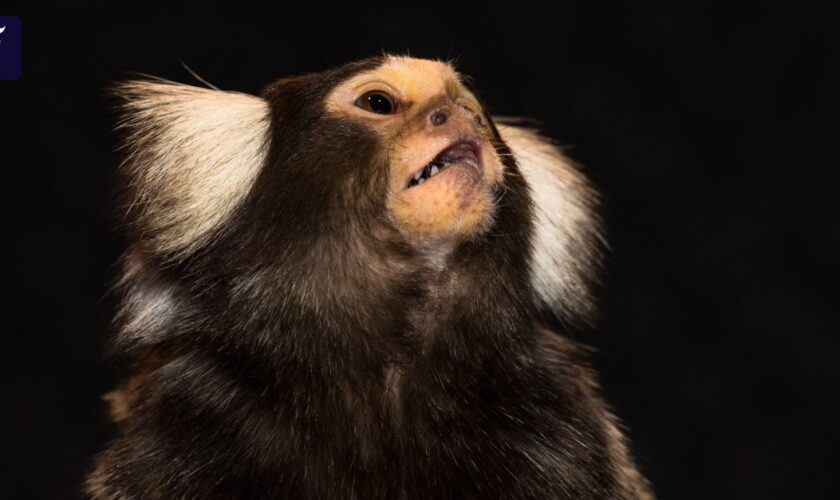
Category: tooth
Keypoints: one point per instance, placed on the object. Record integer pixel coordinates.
(418, 174)
(434, 170)
(421, 180)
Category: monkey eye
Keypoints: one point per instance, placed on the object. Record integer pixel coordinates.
(377, 102)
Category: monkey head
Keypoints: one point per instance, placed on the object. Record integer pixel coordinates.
(346, 182)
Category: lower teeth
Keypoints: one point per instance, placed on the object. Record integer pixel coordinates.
(426, 174)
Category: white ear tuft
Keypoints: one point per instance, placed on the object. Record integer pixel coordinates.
(193, 155)
(567, 236)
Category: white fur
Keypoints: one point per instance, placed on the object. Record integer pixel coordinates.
(567, 230)
(193, 155)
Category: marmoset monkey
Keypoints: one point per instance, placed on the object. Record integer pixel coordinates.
(334, 290)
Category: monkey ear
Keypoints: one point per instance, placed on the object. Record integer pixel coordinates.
(192, 155)
(567, 241)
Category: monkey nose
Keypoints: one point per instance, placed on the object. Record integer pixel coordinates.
(439, 117)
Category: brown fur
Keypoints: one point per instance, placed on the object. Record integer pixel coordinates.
(307, 342)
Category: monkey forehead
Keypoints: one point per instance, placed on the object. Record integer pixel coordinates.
(411, 81)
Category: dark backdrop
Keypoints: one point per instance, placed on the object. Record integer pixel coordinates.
(710, 131)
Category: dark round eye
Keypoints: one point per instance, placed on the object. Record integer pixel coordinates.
(377, 102)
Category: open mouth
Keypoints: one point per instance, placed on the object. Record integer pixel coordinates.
(463, 152)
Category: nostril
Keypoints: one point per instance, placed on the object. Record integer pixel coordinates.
(438, 118)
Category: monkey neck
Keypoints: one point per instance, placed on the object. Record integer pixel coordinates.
(377, 313)
(301, 311)
(456, 309)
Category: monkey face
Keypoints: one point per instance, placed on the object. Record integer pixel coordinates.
(441, 161)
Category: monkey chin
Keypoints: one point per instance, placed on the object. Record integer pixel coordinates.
(450, 199)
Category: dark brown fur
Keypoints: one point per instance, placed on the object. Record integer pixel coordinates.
(313, 353)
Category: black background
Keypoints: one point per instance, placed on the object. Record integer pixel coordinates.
(709, 129)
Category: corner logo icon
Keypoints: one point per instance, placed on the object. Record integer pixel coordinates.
(10, 48)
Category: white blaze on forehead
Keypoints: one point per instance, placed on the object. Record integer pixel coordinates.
(566, 228)
(419, 79)
(193, 155)
(412, 81)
